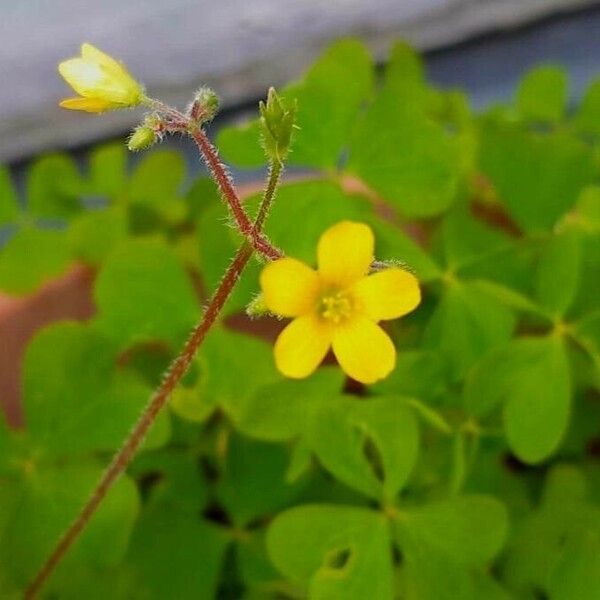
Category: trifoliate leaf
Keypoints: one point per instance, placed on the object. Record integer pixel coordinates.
(76, 398)
(282, 410)
(174, 554)
(536, 412)
(325, 117)
(468, 530)
(143, 294)
(54, 187)
(587, 118)
(93, 234)
(465, 325)
(559, 270)
(158, 177)
(538, 177)
(49, 499)
(333, 551)
(108, 171)
(30, 258)
(371, 446)
(542, 94)
(404, 156)
(252, 483)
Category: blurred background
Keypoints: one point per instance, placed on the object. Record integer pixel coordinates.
(240, 48)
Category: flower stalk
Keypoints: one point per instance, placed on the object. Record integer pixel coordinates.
(254, 241)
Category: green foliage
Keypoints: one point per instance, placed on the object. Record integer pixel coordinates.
(470, 472)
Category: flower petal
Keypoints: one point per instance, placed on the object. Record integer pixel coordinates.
(92, 54)
(92, 105)
(301, 346)
(388, 294)
(364, 350)
(345, 253)
(290, 288)
(83, 76)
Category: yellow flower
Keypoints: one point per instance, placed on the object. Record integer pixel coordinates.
(102, 82)
(338, 306)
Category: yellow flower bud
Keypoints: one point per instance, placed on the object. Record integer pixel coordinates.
(101, 82)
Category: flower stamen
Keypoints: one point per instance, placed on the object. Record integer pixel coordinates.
(335, 306)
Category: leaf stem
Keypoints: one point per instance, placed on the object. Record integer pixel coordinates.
(175, 372)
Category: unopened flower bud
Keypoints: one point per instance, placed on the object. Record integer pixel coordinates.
(257, 307)
(276, 124)
(142, 138)
(205, 105)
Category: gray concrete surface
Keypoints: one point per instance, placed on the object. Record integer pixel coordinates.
(238, 46)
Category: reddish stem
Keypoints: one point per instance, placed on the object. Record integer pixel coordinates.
(247, 229)
(119, 463)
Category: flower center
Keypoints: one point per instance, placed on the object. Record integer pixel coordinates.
(335, 306)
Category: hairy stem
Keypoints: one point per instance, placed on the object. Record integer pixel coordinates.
(175, 372)
(121, 460)
(275, 171)
(246, 227)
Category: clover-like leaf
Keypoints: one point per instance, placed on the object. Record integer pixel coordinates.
(542, 94)
(371, 446)
(333, 551)
(144, 294)
(30, 258)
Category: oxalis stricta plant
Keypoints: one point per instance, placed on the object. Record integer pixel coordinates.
(337, 452)
(337, 306)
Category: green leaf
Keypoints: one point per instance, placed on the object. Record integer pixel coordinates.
(325, 117)
(108, 171)
(76, 399)
(542, 94)
(30, 258)
(408, 159)
(395, 245)
(93, 234)
(423, 375)
(143, 293)
(54, 187)
(335, 551)
(240, 143)
(468, 530)
(587, 118)
(9, 204)
(281, 411)
(176, 480)
(49, 499)
(428, 575)
(554, 549)
(558, 273)
(510, 298)
(175, 555)
(252, 483)
(317, 204)
(466, 240)
(371, 446)
(158, 177)
(538, 177)
(577, 575)
(211, 385)
(536, 412)
(530, 378)
(587, 213)
(405, 76)
(465, 325)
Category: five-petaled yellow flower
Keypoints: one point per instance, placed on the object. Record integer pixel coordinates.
(102, 82)
(338, 306)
